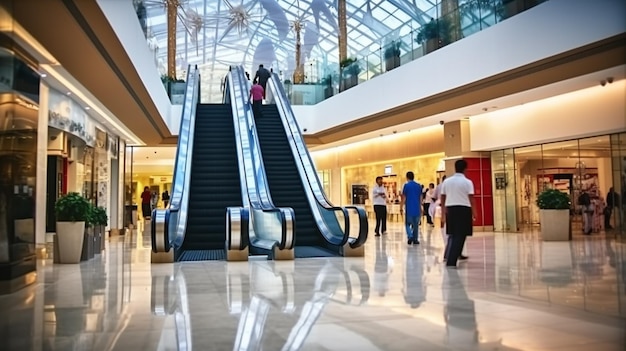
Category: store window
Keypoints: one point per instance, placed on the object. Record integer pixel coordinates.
(324, 177)
(593, 165)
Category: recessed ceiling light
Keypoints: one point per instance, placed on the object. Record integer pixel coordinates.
(87, 108)
(69, 93)
(43, 75)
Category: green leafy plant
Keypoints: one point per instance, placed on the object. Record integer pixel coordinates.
(167, 79)
(439, 29)
(392, 49)
(100, 216)
(552, 199)
(72, 208)
(350, 67)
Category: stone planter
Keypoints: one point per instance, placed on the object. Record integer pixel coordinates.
(555, 225)
(70, 236)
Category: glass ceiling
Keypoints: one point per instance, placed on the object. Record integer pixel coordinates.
(264, 34)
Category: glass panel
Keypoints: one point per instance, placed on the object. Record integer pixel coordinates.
(212, 35)
(529, 169)
(510, 190)
(499, 192)
(130, 189)
(18, 154)
(618, 158)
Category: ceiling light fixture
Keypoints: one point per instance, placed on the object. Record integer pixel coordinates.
(87, 108)
(69, 93)
(43, 75)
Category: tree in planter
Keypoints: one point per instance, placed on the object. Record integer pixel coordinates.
(392, 55)
(554, 211)
(434, 34)
(350, 70)
(72, 212)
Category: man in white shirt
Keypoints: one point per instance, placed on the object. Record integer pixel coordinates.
(379, 200)
(458, 210)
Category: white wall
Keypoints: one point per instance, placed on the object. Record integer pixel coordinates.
(592, 111)
(123, 19)
(551, 28)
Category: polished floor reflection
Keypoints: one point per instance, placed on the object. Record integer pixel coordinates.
(514, 293)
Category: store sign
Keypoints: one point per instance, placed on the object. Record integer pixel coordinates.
(67, 115)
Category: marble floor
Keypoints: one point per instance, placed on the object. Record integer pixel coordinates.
(514, 293)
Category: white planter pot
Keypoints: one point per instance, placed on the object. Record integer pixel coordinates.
(70, 237)
(555, 225)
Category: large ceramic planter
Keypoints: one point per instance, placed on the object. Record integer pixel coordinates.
(70, 239)
(555, 225)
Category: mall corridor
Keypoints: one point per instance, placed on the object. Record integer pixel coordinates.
(514, 293)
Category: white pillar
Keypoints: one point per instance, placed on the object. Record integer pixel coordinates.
(42, 166)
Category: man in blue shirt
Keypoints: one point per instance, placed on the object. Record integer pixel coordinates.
(411, 196)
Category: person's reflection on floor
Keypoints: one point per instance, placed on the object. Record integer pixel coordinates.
(459, 313)
(414, 285)
(382, 267)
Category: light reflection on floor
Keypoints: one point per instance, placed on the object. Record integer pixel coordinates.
(515, 293)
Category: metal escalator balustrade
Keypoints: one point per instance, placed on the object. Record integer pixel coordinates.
(200, 220)
(342, 230)
(271, 230)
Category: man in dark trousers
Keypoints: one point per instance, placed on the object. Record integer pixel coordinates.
(256, 97)
(262, 75)
(458, 210)
(612, 201)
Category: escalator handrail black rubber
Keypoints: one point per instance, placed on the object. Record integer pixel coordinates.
(308, 172)
(267, 219)
(174, 217)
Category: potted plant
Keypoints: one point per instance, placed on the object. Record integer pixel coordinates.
(89, 236)
(392, 55)
(434, 34)
(72, 211)
(175, 89)
(101, 220)
(350, 70)
(554, 211)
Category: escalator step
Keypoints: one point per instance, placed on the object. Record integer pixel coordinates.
(203, 255)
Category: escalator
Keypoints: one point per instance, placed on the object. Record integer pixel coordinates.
(286, 186)
(214, 183)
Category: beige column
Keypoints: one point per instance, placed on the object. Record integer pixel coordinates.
(42, 165)
(457, 143)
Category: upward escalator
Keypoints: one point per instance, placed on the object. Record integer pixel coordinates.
(286, 186)
(214, 183)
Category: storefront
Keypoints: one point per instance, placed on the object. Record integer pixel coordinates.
(594, 165)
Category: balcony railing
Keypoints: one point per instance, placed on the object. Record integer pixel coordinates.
(323, 80)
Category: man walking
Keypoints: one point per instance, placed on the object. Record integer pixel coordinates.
(429, 199)
(262, 76)
(458, 210)
(379, 200)
(411, 196)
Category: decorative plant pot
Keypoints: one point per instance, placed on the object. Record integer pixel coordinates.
(70, 238)
(392, 62)
(555, 225)
(88, 244)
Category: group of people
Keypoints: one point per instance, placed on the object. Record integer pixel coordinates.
(258, 89)
(455, 195)
(150, 200)
(595, 210)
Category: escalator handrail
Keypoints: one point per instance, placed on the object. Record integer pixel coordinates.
(176, 214)
(307, 163)
(308, 174)
(255, 191)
